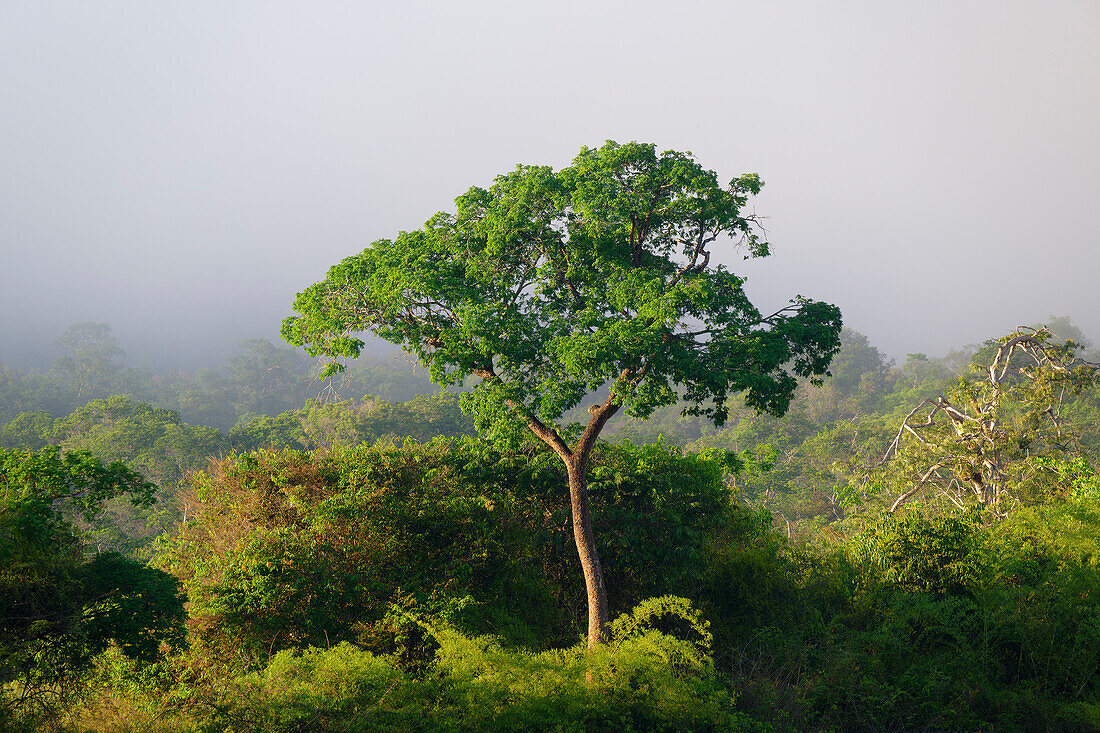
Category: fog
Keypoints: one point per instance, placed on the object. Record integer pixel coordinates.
(180, 171)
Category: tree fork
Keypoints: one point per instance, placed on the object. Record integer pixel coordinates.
(576, 468)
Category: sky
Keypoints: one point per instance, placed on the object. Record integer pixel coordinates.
(181, 170)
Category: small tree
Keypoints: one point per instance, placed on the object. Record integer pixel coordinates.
(991, 436)
(549, 286)
(90, 359)
(59, 607)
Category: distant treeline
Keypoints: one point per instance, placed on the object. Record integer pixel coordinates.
(263, 379)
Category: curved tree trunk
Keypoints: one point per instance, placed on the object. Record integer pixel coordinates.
(576, 466)
(586, 550)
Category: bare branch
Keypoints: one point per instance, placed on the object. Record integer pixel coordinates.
(984, 454)
(916, 487)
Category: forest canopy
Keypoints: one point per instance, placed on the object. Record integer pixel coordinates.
(319, 543)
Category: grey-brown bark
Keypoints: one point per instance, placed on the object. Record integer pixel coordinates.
(576, 466)
(598, 615)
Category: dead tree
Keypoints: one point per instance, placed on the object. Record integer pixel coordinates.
(972, 442)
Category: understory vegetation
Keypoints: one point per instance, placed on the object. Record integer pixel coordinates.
(232, 552)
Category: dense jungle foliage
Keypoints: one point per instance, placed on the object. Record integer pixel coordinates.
(243, 550)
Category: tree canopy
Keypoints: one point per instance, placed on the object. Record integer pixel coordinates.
(549, 285)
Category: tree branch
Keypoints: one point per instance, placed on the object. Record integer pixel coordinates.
(541, 431)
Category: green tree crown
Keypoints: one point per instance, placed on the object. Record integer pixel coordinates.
(550, 285)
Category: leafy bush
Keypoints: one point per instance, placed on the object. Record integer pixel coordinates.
(290, 549)
(58, 607)
(645, 680)
(913, 622)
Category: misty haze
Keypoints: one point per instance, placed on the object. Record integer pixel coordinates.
(573, 366)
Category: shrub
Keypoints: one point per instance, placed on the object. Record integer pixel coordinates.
(645, 680)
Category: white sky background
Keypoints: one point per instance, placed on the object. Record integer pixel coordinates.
(181, 170)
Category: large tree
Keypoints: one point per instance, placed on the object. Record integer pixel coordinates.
(550, 286)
